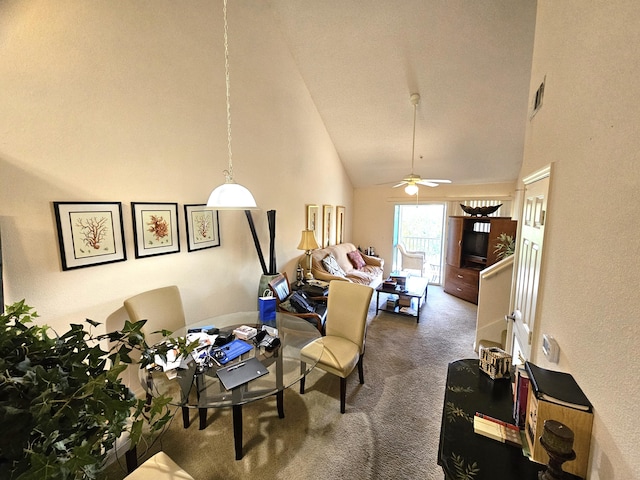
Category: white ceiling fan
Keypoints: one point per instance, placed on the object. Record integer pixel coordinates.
(412, 180)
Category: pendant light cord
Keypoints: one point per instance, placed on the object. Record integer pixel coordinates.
(229, 172)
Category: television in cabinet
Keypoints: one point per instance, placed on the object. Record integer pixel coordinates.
(471, 245)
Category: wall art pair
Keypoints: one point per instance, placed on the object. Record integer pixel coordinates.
(92, 233)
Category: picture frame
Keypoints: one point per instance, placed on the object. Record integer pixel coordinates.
(340, 212)
(89, 233)
(203, 227)
(327, 226)
(314, 222)
(155, 228)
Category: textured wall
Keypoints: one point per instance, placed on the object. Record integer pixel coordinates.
(588, 126)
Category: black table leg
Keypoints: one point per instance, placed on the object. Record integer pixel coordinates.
(280, 402)
(237, 430)
(202, 412)
(185, 417)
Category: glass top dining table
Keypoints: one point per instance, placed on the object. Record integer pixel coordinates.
(199, 387)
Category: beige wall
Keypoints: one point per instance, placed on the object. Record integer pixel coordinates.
(128, 104)
(588, 127)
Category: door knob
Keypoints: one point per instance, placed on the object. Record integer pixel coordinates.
(510, 317)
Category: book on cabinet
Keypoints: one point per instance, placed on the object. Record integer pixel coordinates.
(556, 396)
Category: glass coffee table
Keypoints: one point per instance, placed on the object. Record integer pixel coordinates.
(410, 297)
(200, 388)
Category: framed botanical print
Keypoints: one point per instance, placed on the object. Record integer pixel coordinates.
(327, 226)
(340, 211)
(89, 233)
(203, 228)
(314, 222)
(155, 228)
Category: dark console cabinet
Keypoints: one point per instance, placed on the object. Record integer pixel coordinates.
(471, 243)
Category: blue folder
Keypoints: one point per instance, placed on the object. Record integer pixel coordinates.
(232, 350)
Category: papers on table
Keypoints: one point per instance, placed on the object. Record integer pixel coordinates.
(199, 355)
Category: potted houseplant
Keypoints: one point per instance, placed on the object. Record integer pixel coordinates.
(505, 246)
(62, 403)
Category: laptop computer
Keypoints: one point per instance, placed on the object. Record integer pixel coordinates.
(241, 373)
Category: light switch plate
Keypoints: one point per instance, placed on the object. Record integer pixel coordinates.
(550, 348)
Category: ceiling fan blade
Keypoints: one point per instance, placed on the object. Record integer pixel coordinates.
(435, 180)
(400, 184)
(427, 184)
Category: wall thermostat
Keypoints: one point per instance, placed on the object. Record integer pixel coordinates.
(550, 348)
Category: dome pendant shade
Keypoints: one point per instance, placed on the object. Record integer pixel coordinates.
(231, 196)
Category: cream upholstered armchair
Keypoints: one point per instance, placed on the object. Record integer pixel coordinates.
(343, 344)
(412, 260)
(161, 308)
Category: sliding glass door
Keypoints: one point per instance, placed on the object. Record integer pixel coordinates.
(420, 228)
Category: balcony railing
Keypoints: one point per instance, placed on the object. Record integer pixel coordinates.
(432, 247)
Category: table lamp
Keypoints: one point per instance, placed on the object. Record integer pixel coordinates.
(308, 243)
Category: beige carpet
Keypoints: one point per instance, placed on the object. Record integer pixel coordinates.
(389, 431)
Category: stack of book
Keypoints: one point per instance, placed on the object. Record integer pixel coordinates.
(497, 429)
(520, 396)
(392, 302)
(245, 332)
(389, 285)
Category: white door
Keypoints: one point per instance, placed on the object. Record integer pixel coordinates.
(529, 260)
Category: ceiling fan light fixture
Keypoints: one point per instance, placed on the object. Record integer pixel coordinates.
(411, 189)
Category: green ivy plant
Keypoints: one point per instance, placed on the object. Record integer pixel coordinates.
(62, 403)
(505, 246)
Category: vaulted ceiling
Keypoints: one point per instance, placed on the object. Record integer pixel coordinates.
(469, 60)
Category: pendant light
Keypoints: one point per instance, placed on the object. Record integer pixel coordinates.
(230, 195)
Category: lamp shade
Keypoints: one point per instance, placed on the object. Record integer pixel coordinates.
(231, 196)
(308, 241)
(411, 189)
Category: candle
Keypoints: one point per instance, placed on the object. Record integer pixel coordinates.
(557, 437)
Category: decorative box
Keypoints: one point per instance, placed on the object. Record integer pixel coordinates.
(495, 362)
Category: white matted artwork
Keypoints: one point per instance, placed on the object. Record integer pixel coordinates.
(328, 230)
(89, 233)
(155, 228)
(203, 228)
(340, 212)
(314, 222)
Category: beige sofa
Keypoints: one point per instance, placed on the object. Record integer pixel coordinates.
(370, 274)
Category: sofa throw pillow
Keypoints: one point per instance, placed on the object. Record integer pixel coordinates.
(331, 265)
(356, 259)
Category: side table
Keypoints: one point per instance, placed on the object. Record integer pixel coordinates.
(461, 451)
